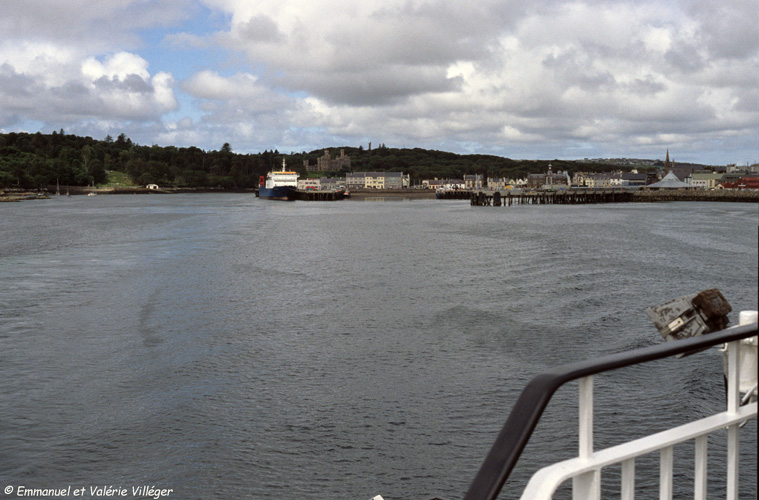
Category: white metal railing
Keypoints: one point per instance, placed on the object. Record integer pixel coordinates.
(740, 357)
(585, 469)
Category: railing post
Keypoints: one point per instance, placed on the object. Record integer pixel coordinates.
(733, 403)
(628, 479)
(586, 417)
(699, 486)
(665, 473)
(586, 486)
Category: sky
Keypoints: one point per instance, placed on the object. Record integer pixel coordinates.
(524, 79)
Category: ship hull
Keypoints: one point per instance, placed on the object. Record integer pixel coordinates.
(281, 193)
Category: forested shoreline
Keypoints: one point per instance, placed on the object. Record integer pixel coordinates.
(35, 161)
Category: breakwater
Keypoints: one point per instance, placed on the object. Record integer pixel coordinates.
(577, 197)
(725, 195)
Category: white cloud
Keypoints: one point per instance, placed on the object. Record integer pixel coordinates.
(210, 85)
(48, 62)
(545, 77)
(56, 66)
(121, 66)
(237, 98)
(64, 89)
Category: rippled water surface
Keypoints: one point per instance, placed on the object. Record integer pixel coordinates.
(229, 347)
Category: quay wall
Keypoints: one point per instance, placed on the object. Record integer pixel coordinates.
(399, 193)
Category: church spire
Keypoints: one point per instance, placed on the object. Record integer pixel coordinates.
(667, 163)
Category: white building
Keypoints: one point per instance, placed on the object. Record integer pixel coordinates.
(309, 184)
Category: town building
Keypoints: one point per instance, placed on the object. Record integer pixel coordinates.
(549, 180)
(473, 181)
(732, 177)
(684, 173)
(611, 180)
(499, 183)
(746, 182)
(748, 169)
(321, 184)
(706, 180)
(668, 165)
(332, 183)
(376, 180)
(634, 179)
(606, 180)
(443, 184)
(309, 184)
(355, 180)
(433, 184)
(670, 181)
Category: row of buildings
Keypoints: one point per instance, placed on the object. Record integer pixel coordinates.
(549, 180)
(678, 177)
(358, 180)
(682, 176)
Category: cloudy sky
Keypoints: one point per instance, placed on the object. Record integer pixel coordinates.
(518, 78)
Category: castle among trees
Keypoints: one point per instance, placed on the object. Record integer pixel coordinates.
(326, 164)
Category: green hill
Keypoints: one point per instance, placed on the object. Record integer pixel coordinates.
(32, 161)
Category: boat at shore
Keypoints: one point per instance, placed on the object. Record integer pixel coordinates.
(279, 185)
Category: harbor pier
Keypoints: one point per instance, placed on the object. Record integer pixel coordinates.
(593, 196)
(497, 199)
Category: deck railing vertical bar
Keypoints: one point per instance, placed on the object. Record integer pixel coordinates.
(733, 402)
(699, 486)
(733, 372)
(665, 474)
(586, 417)
(732, 462)
(586, 486)
(628, 480)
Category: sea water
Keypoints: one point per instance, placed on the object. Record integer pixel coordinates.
(223, 346)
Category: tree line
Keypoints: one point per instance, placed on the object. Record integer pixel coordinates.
(39, 160)
(36, 161)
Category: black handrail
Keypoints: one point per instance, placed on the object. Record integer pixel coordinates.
(535, 396)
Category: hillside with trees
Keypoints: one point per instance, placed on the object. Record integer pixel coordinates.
(36, 161)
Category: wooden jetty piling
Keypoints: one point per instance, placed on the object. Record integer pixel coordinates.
(550, 198)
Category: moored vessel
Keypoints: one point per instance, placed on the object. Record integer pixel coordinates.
(279, 185)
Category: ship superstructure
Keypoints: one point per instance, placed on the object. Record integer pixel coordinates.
(279, 184)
